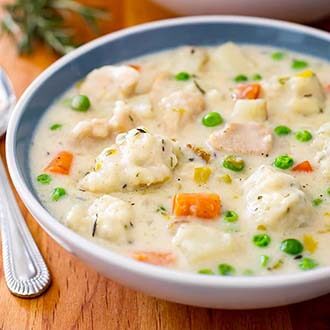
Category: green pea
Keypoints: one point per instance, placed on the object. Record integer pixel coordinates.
(299, 64)
(264, 260)
(58, 193)
(261, 240)
(55, 127)
(282, 130)
(241, 78)
(291, 246)
(256, 77)
(226, 270)
(230, 216)
(317, 201)
(206, 271)
(278, 56)
(182, 76)
(283, 162)
(233, 163)
(44, 179)
(212, 119)
(304, 136)
(307, 264)
(80, 103)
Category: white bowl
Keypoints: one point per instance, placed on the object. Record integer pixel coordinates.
(187, 288)
(292, 10)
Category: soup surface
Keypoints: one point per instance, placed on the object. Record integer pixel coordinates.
(211, 160)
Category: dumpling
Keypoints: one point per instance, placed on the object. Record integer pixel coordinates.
(274, 199)
(199, 243)
(137, 159)
(107, 217)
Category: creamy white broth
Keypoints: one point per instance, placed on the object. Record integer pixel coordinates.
(151, 225)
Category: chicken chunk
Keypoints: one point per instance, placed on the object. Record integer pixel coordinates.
(322, 145)
(107, 217)
(200, 243)
(137, 159)
(275, 200)
(250, 110)
(109, 82)
(100, 128)
(251, 138)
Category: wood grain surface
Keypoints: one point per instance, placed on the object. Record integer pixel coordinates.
(80, 298)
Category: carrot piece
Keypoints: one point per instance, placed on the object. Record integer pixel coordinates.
(201, 205)
(303, 167)
(61, 164)
(154, 258)
(135, 66)
(247, 91)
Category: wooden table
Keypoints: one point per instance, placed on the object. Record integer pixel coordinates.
(80, 298)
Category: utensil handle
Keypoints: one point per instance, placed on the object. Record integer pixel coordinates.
(25, 270)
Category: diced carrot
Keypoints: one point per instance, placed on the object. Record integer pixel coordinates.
(61, 164)
(201, 205)
(247, 91)
(135, 66)
(155, 258)
(303, 167)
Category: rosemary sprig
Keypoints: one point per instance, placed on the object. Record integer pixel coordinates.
(28, 21)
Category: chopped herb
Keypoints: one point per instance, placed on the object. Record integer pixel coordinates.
(304, 136)
(182, 76)
(307, 264)
(278, 56)
(95, 224)
(230, 216)
(283, 162)
(283, 80)
(261, 240)
(264, 260)
(58, 193)
(141, 130)
(124, 186)
(328, 191)
(206, 271)
(278, 264)
(55, 127)
(317, 201)
(226, 270)
(299, 64)
(199, 87)
(131, 118)
(240, 78)
(44, 178)
(256, 77)
(282, 130)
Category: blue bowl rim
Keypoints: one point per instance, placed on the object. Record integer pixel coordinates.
(57, 229)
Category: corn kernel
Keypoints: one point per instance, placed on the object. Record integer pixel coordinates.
(226, 178)
(202, 174)
(305, 74)
(310, 243)
(98, 166)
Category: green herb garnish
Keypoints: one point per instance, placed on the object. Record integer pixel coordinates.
(233, 163)
(304, 136)
(28, 22)
(264, 260)
(307, 264)
(206, 271)
(317, 201)
(182, 76)
(241, 78)
(256, 77)
(55, 127)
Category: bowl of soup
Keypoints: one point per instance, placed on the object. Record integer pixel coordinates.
(188, 159)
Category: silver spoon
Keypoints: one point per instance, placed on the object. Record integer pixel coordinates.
(25, 270)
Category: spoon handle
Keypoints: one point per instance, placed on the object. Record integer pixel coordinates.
(25, 270)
